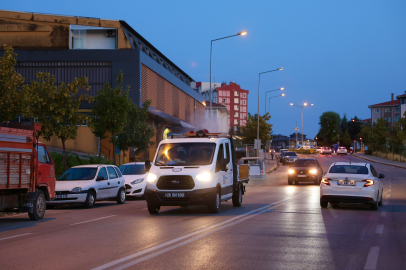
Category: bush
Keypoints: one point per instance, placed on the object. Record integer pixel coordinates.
(74, 160)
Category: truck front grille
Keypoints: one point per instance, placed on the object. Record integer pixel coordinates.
(175, 182)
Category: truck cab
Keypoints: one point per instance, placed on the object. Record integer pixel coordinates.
(195, 169)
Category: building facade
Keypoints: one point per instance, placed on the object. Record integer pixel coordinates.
(390, 111)
(69, 47)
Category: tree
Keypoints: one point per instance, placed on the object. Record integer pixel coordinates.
(10, 82)
(329, 126)
(344, 124)
(346, 139)
(109, 115)
(250, 129)
(137, 133)
(55, 109)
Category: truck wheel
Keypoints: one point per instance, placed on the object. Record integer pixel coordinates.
(215, 206)
(121, 196)
(153, 209)
(237, 197)
(39, 207)
(90, 199)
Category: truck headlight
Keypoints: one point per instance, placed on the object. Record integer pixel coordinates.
(151, 177)
(76, 190)
(136, 181)
(203, 177)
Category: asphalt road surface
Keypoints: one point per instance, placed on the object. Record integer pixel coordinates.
(278, 227)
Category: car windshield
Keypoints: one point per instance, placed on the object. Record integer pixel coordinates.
(133, 169)
(185, 154)
(78, 174)
(290, 154)
(352, 169)
(304, 163)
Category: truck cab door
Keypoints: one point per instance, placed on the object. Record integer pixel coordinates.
(228, 187)
(46, 170)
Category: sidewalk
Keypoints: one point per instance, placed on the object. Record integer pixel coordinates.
(381, 160)
(270, 164)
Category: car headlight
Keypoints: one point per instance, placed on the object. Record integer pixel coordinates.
(151, 177)
(76, 190)
(291, 171)
(136, 181)
(313, 171)
(203, 177)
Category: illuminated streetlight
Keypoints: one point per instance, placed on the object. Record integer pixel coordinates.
(301, 106)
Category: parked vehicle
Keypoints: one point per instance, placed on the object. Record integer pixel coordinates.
(347, 182)
(305, 170)
(325, 151)
(135, 176)
(289, 157)
(27, 172)
(195, 169)
(86, 184)
(341, 150)
(281, 153)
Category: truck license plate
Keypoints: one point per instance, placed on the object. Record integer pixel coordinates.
(175, 195)
(61, 196)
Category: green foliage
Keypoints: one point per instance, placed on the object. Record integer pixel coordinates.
(354, 128)
(136, 133)
(344, 124)
(346, 139)
(73, 159)
(329, 127)
(10, 82)
(250, 129)
(109, 115)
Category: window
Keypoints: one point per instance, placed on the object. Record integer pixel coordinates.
(377, 110)
(244, 109)
(397, 118)
(397, 109)
(236, 93)
(387, 110)
(112, 172)
(236, 107)
(227, 152)
(103, 173)
(215, 114)
(244, 102)
(235, 114)
(387, 119)
(244, 95)
(215, 96)
(118, 172)
(78, 39)
(220, 156)
(227, 93)
(236, 100)
(43, 156)
(133, 169)
(374, 173)
(236, 121)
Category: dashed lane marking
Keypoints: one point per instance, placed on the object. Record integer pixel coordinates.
(372, 258)
(93, 220)
(379, 228)
(15, 236)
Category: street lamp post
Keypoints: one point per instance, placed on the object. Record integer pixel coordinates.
(269, 101)
(301, 106)
(279, 89)
(243, 33)
(259, 90)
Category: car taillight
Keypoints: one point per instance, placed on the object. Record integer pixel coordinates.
(368, 183)
(325, 181)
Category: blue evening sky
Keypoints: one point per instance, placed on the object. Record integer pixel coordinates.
(341, 55)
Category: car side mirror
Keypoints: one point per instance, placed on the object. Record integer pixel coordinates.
(381, 175)
(99, 178)
(147, 165)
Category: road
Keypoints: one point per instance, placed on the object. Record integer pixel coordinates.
(278, 227)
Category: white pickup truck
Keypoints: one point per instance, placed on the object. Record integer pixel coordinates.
(195, 169)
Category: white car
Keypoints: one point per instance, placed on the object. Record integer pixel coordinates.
(347, 182)
(135, 177)
(341, 150)
(87, 183)
(325, 150)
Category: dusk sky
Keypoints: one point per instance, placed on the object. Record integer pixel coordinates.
(340, 55)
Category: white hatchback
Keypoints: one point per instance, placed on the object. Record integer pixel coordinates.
(341, 150)
(347, 182)
(135, 177)
(87, 183)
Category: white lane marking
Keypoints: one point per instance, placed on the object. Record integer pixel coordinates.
(132, 256)
(186, 242)
(15, 236)
(363, 234)
(383, 213)
(92, 220)
(379, 228)
(333, 212)
(372, 258)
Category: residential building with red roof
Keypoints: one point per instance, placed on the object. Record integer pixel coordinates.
(389, 110)
(402, 104)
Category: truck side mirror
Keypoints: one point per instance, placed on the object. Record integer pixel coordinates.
(147, 165)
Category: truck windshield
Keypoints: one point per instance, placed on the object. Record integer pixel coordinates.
(185, 154)
(78, 174)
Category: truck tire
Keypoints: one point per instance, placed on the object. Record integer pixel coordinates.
(153, 209)
(121, 196)
(237, 197)
(39, 207)
(215, 206)
(90, 200)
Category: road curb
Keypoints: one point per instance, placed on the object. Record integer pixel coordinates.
(274, 168)
(383, 163)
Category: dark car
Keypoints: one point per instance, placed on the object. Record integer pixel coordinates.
(281, 153)
(305, 170)
(289, 157)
